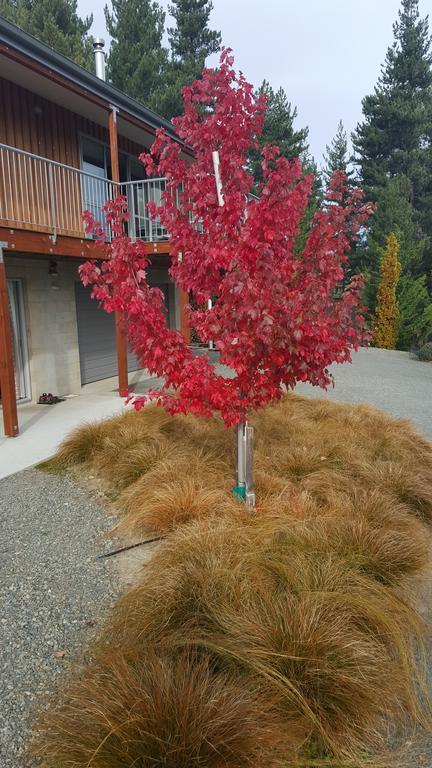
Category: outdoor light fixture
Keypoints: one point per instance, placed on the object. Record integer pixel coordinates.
(53, 273)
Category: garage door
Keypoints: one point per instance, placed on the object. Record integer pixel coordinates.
(96, 339)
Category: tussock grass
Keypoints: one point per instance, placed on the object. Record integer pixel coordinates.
(327, 653)
(177, 489)
(165, 709)
(81, 445)
(284, 638)
(161, 508)
(314, 454)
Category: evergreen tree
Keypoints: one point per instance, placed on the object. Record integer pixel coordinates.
(386, 322)
(56, 23)
(415, 312)
(394, 213)
(167, 99)
(391, 139)
(336, 155)
(137, 60)
(279, 129)
(336, 158)
(393, 148)
(191, 42)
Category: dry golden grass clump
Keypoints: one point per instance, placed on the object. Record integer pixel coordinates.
(310, 454)
(164, 709)
(166, 505)
(284, 638)
(273, 652)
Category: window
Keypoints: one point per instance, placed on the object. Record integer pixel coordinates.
(19, 338)
(95, 187)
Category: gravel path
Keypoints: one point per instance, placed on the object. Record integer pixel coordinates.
(386, 379)
(54, 592)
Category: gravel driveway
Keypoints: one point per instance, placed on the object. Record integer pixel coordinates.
(386, 379)
(54, 592)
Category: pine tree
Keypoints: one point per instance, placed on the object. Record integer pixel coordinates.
(336, 155)
(393, 147)
(279, 129)
(56, 23)
(191, 42)
(310, 167)
(336, 158)
(387, 317)
(391, 139)
(394, 213)
(137, 59)
(415, 312)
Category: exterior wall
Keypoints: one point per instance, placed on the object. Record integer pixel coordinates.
(37, 196)
(32, 123)
(51, 325)
(51, 321)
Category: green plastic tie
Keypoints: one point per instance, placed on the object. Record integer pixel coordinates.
(239, 491)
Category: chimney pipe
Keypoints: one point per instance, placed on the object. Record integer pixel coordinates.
(99, 54)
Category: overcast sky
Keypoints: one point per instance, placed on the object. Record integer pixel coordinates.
(326, 54)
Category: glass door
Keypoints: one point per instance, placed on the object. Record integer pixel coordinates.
(95, 187)
(19, 339)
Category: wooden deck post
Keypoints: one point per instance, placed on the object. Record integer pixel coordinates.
(7, 375)
(121, 337)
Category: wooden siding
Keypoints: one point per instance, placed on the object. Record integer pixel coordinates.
(34, 124)
(29, 122)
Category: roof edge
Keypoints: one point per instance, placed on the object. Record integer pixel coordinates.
(14, 37)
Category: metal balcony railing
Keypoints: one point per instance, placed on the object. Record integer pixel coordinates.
(139, 194)
(43, 195)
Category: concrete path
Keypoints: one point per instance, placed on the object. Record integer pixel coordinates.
(43, 427)
(389, 380)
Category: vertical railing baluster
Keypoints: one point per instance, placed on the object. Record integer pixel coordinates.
(76, 223)
(57, 196)
(31, 190)
(53, 202)
(45, 189)
(10, 197)
(2, 179)
(151, 221)
(27, 214)
(67, 195)
(3, 200)
(18, 185)
(133, 214)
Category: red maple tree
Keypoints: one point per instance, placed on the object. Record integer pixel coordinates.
(281, 314)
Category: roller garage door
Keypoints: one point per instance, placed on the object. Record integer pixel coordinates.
(96, 339)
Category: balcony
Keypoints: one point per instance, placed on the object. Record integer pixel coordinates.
(42, 195)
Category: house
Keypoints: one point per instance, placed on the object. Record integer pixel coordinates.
(68, 141)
